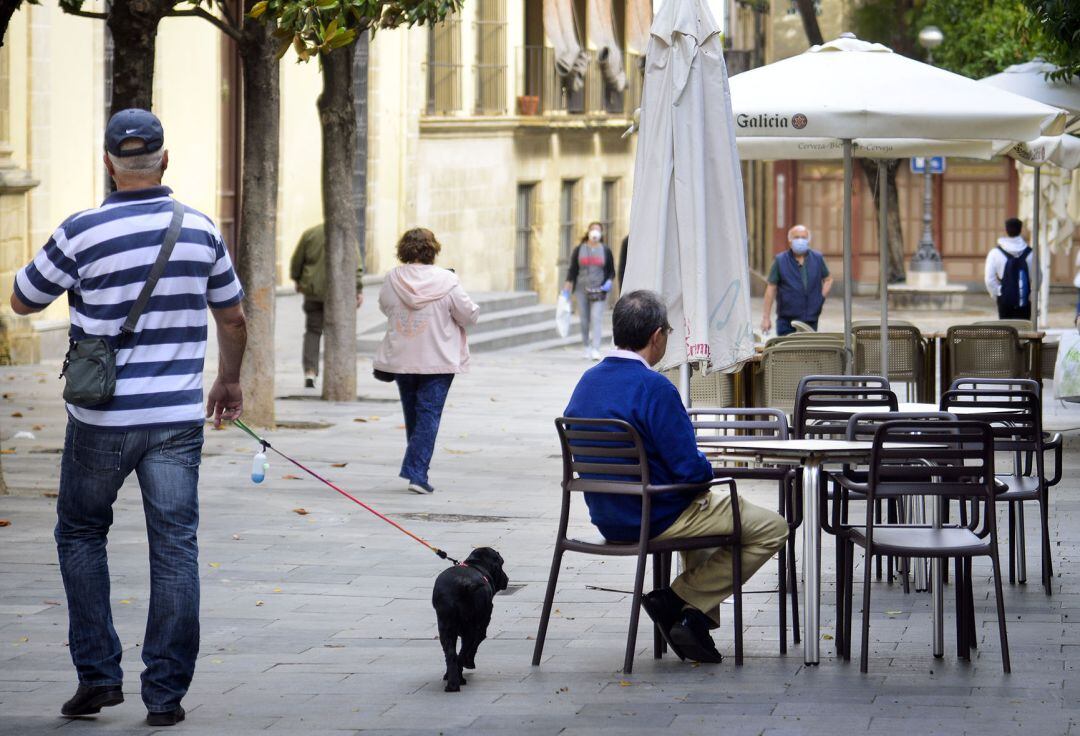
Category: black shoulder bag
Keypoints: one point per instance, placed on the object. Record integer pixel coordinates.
(90, 365)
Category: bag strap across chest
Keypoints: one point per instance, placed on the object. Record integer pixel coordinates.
(171, 236)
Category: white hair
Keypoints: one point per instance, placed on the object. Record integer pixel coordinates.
(143, 163)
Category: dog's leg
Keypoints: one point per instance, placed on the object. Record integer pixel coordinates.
(470, 642)
(453, 677)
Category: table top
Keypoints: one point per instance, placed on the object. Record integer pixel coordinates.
(797, 448)
(911, 407)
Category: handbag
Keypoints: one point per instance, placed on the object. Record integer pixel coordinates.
(90, 364)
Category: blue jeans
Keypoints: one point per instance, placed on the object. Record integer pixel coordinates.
(94, 466)
(422, 400)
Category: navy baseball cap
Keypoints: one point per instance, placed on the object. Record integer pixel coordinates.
(133, 123)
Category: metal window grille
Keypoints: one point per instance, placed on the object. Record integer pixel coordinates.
(444, 67)
(568, 216)
(523, 239)
(491, 57)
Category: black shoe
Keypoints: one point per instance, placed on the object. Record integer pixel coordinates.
(89, 700)
(691, 635)
(166, 718)
(309, 383)
(664, 608)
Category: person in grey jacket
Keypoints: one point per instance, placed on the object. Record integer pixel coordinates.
(590, 275)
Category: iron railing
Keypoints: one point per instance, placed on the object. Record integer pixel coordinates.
(542, 90)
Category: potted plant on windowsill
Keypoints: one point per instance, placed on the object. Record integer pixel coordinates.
(528, 104)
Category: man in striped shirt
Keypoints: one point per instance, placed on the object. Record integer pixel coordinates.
(153, 425)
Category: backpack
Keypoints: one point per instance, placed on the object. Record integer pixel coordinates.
(1016, 281)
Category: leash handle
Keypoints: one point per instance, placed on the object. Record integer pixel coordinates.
(267, 446)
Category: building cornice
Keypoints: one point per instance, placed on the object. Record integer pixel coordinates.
(482, 125)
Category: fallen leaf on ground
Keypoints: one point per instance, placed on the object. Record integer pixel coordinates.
(360, 419)
(7, 397)
(51, 603)
(50, 494)
(625, 683)
(37, 427)
(216, 661)
(400, 426)
(827, 637)
(893, 613)
(215, 564)
(460, 452)
(338, 465)
(258, 603)
(7, 451)
(301, 512)
(277, 590)
(374, 419)
(290, 477)
(23, 639)
(126, 601)
(5, 522)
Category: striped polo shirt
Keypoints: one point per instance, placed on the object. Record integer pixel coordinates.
(101, 258)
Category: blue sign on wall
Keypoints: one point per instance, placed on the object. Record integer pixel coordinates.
(937, 164)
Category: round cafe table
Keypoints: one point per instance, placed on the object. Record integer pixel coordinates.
(810, 454)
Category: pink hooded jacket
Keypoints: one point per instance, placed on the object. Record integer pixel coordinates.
(427, 311)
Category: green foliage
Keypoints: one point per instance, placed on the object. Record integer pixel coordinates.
(320, 26)
(1058, 22)
(982, 37)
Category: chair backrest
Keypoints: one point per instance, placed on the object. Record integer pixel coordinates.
(739, 424)
(995, 384)
(801, 337)
(837, 381)
(944, 458)
(811, 421)
(713, 389)
(862, 427)
(984, 351)
(801, 326)
(785, 365)
(602, 456)
(906, 351)
(1015, 416)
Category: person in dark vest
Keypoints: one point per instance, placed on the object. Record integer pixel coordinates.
(1008, 273)
(799, 282)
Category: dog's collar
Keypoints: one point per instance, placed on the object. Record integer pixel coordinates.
(483, 574)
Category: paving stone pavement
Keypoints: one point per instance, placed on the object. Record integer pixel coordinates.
(322, 623)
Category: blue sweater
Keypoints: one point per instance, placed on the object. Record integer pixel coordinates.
(620, 388)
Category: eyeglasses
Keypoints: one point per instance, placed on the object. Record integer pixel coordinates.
(668, 329)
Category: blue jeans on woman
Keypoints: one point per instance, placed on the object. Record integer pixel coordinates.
(94, 466)
(422, 399)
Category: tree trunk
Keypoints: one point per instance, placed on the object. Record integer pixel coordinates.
(809, 21)
(257, 247)
(3, 484)
(869, 166)
(133, 25)
(338, 118)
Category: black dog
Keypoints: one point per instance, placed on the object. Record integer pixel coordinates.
(462, 600)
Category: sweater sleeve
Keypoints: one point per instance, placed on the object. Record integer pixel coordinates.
(296, 264)
(462, 308)
(667, 419)
(572, 270)
(609, 264)
(991, 277)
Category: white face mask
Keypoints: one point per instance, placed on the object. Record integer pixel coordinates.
(594, 236)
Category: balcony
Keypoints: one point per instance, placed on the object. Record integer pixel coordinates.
(543, 91)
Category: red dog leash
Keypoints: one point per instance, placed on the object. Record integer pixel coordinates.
(267, 446)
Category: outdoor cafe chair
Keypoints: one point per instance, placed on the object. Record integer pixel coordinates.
(801, 326)
(950, 460)
(983, 351)
(1016, 424)
(713, 389)
(784, 364)
(907, 352)
(607, 456)
(861, 428)
(762, 424)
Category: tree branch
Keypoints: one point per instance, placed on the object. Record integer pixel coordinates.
(87, 14)
(208, 16)
(227, 12)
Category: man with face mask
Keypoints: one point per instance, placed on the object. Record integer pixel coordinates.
(799, 281)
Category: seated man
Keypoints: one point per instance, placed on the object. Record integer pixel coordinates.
(624, 386)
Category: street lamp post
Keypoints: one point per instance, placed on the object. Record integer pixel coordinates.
(927, 258)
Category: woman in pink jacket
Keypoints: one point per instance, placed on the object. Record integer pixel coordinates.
(427, 312)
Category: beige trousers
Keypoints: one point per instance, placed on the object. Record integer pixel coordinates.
(707, 578)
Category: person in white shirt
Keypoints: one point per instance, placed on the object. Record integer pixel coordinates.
(1008, 273)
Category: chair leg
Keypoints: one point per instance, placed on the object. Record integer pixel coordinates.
(781, 578)
(1012, 544)
(1047, 562)
(635, 614)
(969, 600)
(864, 655)
(893, 518)
(1021, 544)
(877, 520)
(736, 571)
(962, 637)
(549, 599)
(845, 612)
(1002, 634)
(658, 582)
(793, 589)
